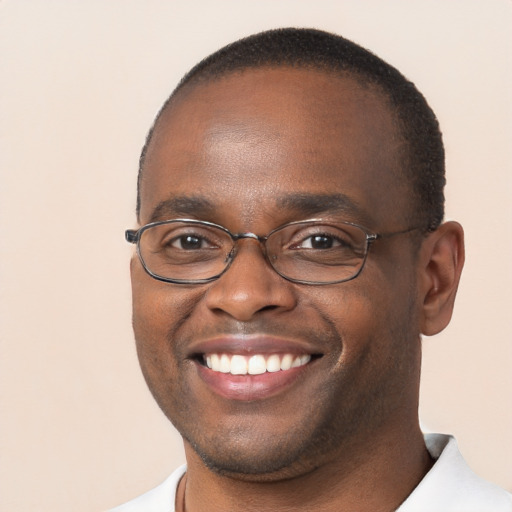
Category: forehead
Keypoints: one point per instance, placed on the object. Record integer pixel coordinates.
(251, 138)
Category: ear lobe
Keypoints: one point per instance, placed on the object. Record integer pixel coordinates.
(442, 259)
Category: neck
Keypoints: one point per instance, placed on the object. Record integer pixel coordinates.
(377, 476)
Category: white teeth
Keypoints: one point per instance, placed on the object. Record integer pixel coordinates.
(296, 362)
(305, 359)
(225, 364)
(238, 365)
(301, 361)
(273, 363)
(215, 362)
(286, 362)
(256, 364)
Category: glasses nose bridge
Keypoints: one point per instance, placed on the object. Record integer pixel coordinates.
(236, 237)
(249, 234)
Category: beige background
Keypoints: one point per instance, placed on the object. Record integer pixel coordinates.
(79, 85)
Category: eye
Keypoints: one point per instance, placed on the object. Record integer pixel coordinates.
(174, 244)
(176, 237)
(192, 242)
(189, 242)
(323, 240)
(319, 241)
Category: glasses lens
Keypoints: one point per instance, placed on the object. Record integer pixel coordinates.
(307, 252)
(184, 251)
(316, 252)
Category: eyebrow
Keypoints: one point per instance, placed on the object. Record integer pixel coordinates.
(182, 206)
(309, 204)
(303, 204)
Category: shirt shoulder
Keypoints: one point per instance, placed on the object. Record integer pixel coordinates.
(451, 486)
(159, 499)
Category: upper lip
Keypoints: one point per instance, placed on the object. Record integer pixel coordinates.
(252, 344)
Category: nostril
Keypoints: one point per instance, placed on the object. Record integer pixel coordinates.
(269, 307)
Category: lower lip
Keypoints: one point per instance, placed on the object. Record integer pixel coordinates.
(249, 387)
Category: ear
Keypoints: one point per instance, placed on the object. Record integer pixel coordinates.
(441, 261)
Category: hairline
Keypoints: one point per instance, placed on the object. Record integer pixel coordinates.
(363, 81)
(421, 156)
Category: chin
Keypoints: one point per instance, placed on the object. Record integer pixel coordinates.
(260, 457)
(254, 467)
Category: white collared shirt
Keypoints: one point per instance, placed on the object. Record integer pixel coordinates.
(450, 486)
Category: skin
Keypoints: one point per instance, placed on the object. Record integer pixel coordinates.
(344, 436)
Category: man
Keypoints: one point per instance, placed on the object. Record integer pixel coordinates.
(291, 252)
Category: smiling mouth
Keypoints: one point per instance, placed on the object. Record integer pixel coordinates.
(251, 369)
(256, 364)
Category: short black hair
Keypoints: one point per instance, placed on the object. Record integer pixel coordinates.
(423, 160)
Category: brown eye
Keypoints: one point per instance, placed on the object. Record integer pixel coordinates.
(321, 242)
(189, 243)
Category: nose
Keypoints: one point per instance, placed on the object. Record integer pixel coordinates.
(250, 286)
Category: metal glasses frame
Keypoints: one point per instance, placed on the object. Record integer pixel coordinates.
(133, 236)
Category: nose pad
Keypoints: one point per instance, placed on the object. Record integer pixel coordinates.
(230, 256)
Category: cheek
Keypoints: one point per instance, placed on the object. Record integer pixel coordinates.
(371, 315)
(346, 307)
(159, 309)
(380, 351)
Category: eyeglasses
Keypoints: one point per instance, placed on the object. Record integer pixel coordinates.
(314, 252)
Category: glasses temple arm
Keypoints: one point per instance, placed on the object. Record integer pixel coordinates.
(131, 236)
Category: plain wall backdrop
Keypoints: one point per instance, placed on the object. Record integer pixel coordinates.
(80, 83)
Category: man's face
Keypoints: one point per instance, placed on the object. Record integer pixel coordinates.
(251, 152)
